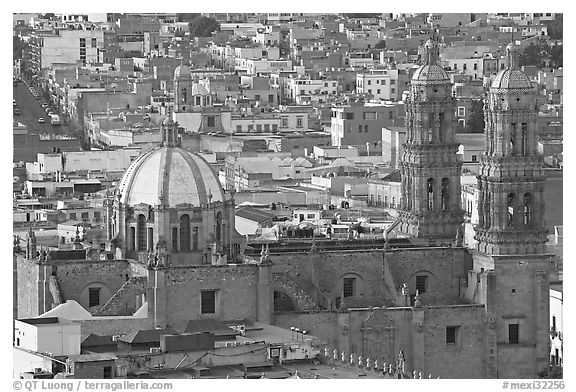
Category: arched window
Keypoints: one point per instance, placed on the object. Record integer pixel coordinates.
(445, 194)
(512, 143)
(175, 239)
(524, 138)
(150, 239)
(430, 193)
(195, 238)
(441, 126)
(510, 209)
(218, 227)
(184, 95)
(527, 208)
(132, 239)
(185, 232)
(141, 232)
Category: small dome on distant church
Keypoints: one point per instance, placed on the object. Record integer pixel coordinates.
(430, 72)
(511, 79)
(181, 72)
(199, 89)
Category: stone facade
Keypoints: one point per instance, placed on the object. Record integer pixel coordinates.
(430, 166)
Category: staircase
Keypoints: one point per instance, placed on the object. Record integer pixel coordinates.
(122, 302)
(54, 290)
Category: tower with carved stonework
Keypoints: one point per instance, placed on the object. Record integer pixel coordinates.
(510, 274)
(430, 166)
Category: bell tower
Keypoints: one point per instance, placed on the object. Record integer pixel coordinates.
(511, 180)
(510, 267)
(430, 166)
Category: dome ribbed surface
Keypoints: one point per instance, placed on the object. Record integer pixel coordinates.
(510, 79)
(430, 72)
(182, 71)
(172, 174)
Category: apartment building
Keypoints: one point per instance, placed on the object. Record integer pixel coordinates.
(380, 83)
(359, 123)
(66, 46)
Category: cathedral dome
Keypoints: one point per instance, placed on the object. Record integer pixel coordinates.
(182, 71)
(511, 79)
(170, 176)
(430, 72)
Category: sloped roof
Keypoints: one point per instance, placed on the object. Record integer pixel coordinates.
(70, 310)
(147, 335)
(214, 326)
(253, 214)
(93, 340)
(92, 357)
(394, 176)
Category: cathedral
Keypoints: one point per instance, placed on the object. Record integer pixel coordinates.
(173, 255)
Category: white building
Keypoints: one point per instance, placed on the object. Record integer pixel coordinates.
(307, 87)
(381, 83)
(37, 340)
(69, 46)
(556, 321)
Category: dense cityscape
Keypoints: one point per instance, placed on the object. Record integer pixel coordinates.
(287, 196)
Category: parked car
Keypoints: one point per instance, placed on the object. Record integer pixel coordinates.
(41, 120)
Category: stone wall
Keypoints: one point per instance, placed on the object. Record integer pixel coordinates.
(123, 302)
(321, 324)
(420, 332)
(466, 358)
(113, 325)
(75, 276)
(237, 292)
(319, 275)
(445, 267)
(27, 288)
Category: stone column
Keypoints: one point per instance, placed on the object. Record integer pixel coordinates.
(265, 311)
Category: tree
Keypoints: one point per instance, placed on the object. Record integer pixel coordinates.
(534, 54)
(202, 26)
(380, 45)
(555, 27)
(475, 121)
(556, 56)
(18, 46)
(187, 17)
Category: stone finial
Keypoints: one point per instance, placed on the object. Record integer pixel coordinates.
(414, 375)
(420, 375)
(326, 351)
(404, 289)
(390, 369)
(351, 359)
(343, 357)
(401, 361)
(417, 301)
(335, 352)
(368, 363)
(360, 361)
(376, 364)
(313, 247)
(430, 376)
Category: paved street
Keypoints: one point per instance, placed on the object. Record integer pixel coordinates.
(32, 111)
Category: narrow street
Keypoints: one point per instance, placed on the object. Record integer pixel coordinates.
(32, 111)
